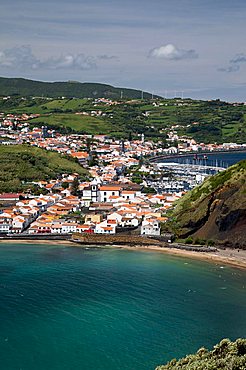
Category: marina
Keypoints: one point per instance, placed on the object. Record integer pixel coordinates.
(178, 177)
(181, 173)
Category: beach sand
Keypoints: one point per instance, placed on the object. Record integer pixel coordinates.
(233, 257)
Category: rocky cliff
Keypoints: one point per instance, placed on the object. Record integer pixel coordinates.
(216, 209)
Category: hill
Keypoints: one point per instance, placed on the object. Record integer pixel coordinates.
(205, 121)
(21, 164)
(24, 87)
(225, 355)
(215, 210)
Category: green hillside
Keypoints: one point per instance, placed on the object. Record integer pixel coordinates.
(215, 210)
(224, 356)
(78, 123)
(21, 164)
(24, 87)
(205, 121)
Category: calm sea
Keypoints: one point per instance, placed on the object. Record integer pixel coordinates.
(213, 159)
(107, 309)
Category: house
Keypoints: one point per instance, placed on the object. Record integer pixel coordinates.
(5, 225)
(56, 228)
(106, 191)
(19, 223)
(11, 197)
(104, 228)
(93, 218)
(69, 227)
(150, 227)
(128, 194)
(84, 228)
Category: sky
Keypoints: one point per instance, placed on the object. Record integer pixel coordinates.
(194, 48)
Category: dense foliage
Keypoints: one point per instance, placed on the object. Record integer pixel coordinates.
(226, 355)
(21, 164)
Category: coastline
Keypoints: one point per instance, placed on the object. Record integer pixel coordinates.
(233, 257)
(228, 256)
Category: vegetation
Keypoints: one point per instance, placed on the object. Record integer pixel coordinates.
(78, 123)
(22, 164)
(24, 87)
(197, 119)
(214, 210)
(224, 356)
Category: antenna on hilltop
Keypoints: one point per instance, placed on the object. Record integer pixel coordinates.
(121, 94)
(142, 94)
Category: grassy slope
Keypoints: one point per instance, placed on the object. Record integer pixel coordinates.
(79, 123)
(228, 187)
(22, 163)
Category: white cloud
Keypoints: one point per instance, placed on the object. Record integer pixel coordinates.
(171, 52)
(22, 58)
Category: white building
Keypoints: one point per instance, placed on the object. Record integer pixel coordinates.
(104, 228)
(150, 227)
(106, 192)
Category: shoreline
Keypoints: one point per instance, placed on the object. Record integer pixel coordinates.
(233, 257)
(227, 256)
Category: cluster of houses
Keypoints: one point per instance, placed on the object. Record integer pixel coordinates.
(98, 208)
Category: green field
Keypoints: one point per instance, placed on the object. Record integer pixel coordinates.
(78, 123)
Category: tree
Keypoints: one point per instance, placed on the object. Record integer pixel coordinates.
(75, 186)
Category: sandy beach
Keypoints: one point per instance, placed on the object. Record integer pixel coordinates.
(228, 256)
(233, 257)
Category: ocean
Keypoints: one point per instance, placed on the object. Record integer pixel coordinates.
(74, 308)
(213, 159)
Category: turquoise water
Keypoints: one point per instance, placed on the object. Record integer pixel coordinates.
(73, 308)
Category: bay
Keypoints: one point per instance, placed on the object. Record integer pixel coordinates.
(218, 159)
(64, 307)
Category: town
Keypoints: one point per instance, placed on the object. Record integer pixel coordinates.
(125, 190)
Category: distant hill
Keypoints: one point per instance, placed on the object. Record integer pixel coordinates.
(215, 210)
(24, 87)
(22, 163)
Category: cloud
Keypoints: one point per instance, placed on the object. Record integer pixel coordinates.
(18, 57)
(22, 58)
(229, 69)
(239, 58)
(234, 64)
(171, 52)
(68, 61)
(107, 57)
